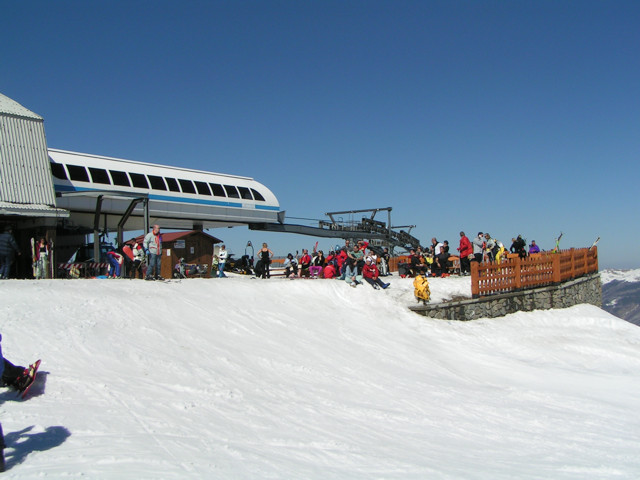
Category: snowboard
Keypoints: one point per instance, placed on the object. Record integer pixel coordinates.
(33, 370)
(128, 252)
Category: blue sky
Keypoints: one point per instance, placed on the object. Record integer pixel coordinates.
(508, 117)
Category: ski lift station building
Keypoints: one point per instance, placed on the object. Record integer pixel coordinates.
(64, 195)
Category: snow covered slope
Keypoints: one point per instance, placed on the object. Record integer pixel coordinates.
(621, 294)
(311, 379)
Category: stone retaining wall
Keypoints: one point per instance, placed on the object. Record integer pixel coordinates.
(587, 289)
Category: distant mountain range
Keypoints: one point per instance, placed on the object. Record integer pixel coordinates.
(621, 294)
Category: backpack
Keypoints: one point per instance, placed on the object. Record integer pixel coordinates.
(421, 288)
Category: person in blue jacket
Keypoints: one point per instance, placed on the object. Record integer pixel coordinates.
(11, 375)
(533, 248)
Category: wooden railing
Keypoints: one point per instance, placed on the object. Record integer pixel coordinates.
(537, 270)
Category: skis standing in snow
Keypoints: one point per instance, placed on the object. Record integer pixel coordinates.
(557, 247)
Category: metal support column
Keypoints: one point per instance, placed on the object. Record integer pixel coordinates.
(96, 230)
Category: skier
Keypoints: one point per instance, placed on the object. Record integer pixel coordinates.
(8, 249)
(518, 246)
(153, 247)
(436, 251)
(115, 264)
(384, 262)
(222, 259)
(466, 251)
(41, 252)
(490, 248)
(305, 264)
(265, 257)
(17, 377)
(533, 248)
(317, 264)
(372, 275)
(12, 375)
(290, 266)
(139, 259)
(478, 247)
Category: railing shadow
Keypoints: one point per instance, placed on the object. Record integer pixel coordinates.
(20, 444)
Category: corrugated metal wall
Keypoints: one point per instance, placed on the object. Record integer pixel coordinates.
(25, 175)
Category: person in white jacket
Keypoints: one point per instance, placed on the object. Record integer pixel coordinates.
(478, 247)
(490, 247)
(153, 247)
(222, 259)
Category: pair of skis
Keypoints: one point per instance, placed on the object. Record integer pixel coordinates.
(557, 247)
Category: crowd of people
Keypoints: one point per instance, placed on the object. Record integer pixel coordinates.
(41, 253)
(436, 260)
(356, 264)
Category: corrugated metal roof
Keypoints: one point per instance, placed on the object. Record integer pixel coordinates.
(11, 107)
(25, 174)
(32, 210)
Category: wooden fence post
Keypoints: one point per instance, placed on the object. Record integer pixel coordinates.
(555, 262)
(573, 263)
(517, 272)
(475, 279)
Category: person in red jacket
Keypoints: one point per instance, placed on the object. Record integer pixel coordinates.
(465, 250)
(370, 273)
(304, 263)
(341, 258)
(329, 271)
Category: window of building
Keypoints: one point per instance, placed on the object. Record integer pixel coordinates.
(187, 186)
(232, 191)
(157, 183)
(139, 180)
(172, 183)
(99, 175)
(203, 188)
(257, 196)
(57, 170)
(78, 173)
(217, 189)
(119, 178)
(245, 194)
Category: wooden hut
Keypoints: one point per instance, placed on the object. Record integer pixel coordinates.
(194, 246)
